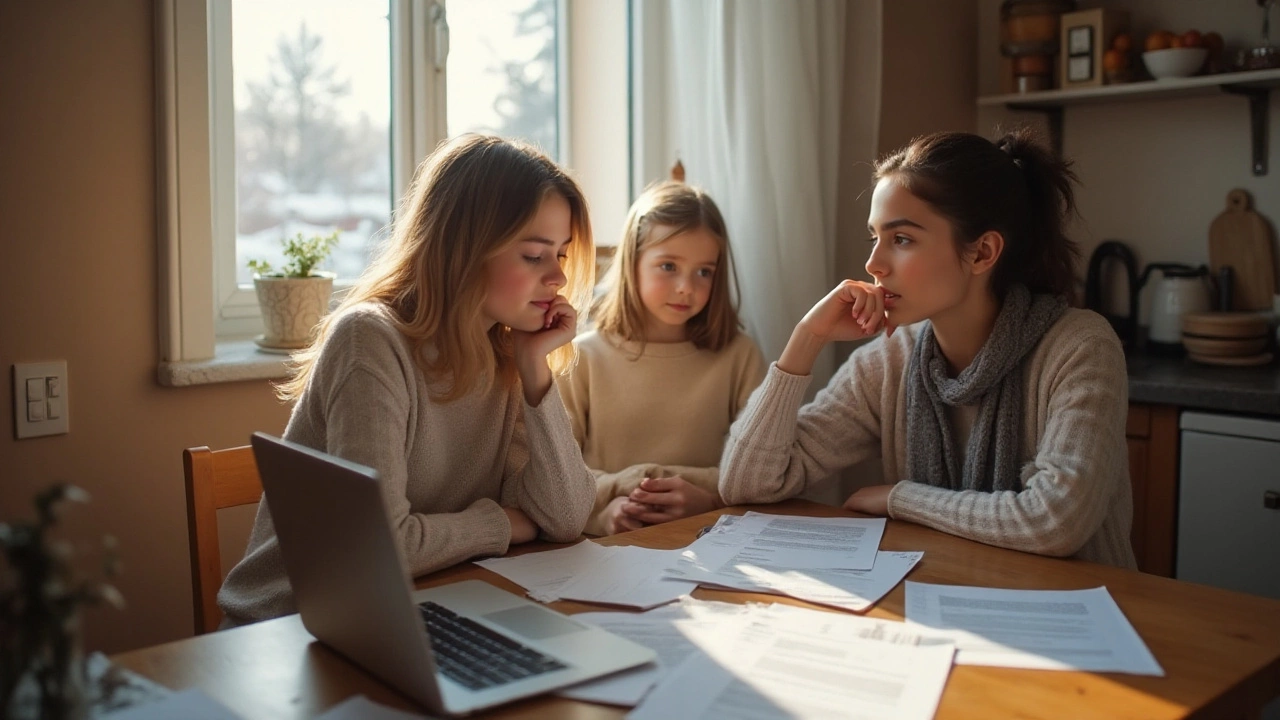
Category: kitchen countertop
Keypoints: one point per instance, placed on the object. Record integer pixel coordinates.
(1191, 385)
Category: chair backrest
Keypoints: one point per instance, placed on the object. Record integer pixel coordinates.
(216, 479)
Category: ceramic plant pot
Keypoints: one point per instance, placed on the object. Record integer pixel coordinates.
(291, 309)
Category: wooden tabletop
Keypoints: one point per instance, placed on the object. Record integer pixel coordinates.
(1220, 650)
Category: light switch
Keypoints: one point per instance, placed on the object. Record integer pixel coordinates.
(40, 402)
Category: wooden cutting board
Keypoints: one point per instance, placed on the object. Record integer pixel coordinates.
(1239, 237)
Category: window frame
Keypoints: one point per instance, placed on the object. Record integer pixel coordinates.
(199, 305)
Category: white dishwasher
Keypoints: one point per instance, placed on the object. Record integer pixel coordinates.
(1229, 503)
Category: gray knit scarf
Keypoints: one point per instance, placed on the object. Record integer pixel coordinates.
(994, 380)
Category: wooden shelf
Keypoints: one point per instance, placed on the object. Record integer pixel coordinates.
(1143, 90)
(1255, 85)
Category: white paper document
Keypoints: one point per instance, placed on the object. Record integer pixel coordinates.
(853, 590)
(543, 573)
(771, 672)
(1044, 629)
(668, 631)
(788, 541)
(783, 542)
(630, 577)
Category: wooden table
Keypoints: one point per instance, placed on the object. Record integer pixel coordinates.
(1220, 650)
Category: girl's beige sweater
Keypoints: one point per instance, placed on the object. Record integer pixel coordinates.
(657, 413)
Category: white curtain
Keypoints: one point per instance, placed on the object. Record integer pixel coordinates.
(753, 90)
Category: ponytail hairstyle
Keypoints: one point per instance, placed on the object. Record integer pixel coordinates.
(1013, 186)
(467, 202)
(678, 208)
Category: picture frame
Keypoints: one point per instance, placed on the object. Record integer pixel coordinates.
(1084, 35)
(1080, 68)
(1079, 40)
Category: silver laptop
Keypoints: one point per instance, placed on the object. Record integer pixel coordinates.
(455, 648)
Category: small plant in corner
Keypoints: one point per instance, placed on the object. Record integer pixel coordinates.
(304, 255)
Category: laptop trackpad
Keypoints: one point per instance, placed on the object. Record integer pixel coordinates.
(534, 622)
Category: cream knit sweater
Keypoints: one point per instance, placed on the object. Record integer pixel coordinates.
(447, 469)
(663, 413)
(1076, 499)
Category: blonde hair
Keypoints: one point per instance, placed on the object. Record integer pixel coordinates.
(464, 207)
(620, 312)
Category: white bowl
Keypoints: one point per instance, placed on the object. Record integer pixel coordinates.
(1174, 62)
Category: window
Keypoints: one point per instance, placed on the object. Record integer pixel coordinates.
(287, 116)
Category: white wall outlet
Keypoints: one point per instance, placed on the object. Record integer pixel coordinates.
(40, 399)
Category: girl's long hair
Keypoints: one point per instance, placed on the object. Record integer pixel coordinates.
(466, 204)
(680, 208)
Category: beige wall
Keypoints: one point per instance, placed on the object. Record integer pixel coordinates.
(78, 282)
(1154, 174)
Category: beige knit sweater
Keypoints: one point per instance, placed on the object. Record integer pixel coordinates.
(1076, 499)
(447, 469)
(661, 413)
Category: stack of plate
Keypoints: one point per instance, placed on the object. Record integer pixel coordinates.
(1227, 338)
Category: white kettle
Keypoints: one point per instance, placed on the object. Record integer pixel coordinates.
(1181, 289)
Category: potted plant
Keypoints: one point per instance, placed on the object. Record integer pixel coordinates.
(294, 298)
(42, 671)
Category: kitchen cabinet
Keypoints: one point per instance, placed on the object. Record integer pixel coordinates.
(1152, 435)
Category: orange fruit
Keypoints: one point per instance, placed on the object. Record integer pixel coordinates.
(1158, 40)
(1192, 39)
(1114, 60)
(1175, 41)
(1123, 42)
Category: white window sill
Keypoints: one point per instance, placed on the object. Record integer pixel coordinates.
(233, 361)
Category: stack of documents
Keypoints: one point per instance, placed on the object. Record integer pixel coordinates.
(828, 561)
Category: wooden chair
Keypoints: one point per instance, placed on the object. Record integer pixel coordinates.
(216, 479)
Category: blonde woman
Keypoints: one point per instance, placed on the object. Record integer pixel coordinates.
(436, 370)
(667, 368)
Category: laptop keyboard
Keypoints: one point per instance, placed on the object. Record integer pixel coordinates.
(476, 657)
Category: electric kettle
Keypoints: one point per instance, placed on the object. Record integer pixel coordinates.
(1181, 289)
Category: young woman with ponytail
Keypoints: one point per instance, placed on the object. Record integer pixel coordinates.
(997, 410)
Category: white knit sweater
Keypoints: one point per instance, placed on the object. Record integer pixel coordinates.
(1076, 498)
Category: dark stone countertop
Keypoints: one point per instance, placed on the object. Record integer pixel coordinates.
(1194, 386)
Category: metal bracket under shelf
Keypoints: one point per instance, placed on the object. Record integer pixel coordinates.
(1259, 106)
(1052, 115)
(1259, 103)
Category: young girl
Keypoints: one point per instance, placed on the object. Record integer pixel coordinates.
(998, 412)
(434, 370)
(667, 369)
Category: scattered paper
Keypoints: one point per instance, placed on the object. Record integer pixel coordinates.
(770, 672)
(189, 704)
(853, 590)
(543, 573)
(668, 631)
(1044, 629)
(630, 577)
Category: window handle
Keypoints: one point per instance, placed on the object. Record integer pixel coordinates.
(440, 24)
